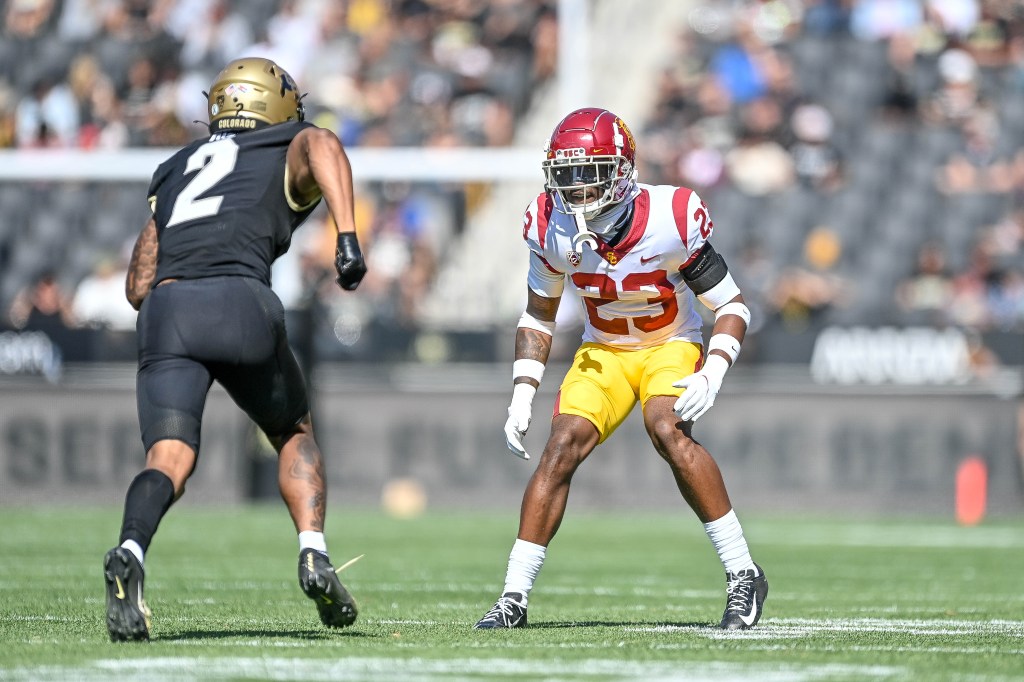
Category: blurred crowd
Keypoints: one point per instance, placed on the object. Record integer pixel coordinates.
(116, 73)
(840, 121)
(862, 158)
(109, 74)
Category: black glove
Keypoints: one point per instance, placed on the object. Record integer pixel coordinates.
(349, 261)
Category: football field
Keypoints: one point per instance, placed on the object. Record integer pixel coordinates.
(622, 597)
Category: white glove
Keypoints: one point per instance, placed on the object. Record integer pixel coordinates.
(520, 411)
(701, 389)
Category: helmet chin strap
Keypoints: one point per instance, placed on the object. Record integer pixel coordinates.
(592, 224)
(583, 234)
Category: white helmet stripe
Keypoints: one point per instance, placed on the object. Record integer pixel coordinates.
(617, 137)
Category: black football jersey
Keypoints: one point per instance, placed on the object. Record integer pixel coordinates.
(220, 206)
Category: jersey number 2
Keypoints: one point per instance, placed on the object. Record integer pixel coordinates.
(213, 160)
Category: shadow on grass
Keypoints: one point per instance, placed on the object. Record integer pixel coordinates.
(619, 624)
(309, 635)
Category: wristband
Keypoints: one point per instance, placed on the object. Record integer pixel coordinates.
(727, 343)
(532, 369)
(735, 308)
(528, 321)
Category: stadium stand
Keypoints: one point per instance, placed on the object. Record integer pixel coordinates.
(835, 143)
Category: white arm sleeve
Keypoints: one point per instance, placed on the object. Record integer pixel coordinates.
(720, 294)
(542, 280)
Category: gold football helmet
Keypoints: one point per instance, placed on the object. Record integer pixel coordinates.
(252, 92)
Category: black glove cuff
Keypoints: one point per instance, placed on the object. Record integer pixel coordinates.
(348, 246)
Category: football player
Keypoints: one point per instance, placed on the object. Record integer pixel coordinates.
(637, 255)
(224, 208)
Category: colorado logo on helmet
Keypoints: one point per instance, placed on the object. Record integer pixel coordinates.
(235, 123)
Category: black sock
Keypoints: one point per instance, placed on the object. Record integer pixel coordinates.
(149, 497)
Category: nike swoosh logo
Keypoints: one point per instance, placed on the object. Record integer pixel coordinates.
(645, 261)
(120, 588)
(326, 600)
(749, 620)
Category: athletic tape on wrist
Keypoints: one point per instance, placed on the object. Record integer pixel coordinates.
(734, 308)
(727, 343)
(528, 321)
(534, 369)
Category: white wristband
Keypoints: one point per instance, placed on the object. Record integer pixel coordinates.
(533, 369)
(735, 308)
(528, 321)
(727, 343)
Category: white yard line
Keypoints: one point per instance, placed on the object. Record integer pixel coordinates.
(358, 669)
(791, 628)
(885, 535)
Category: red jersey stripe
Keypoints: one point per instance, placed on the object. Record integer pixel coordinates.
(680, 200)
(544, 207)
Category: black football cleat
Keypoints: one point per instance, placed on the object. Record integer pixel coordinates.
(320, 583)
(746, 592)
(127, 613)
(508, 612)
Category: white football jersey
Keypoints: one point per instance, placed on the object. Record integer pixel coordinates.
(633, 294)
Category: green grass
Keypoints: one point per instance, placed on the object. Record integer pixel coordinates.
(621, 597)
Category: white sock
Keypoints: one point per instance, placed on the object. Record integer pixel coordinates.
(523, 566)
(136, 549)
(726, 535)
(311, 539)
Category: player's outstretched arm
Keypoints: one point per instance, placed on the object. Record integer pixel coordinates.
(317, 165)
(533, 346)
(142, 268)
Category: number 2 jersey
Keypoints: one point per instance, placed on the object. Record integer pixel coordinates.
(221, 208)
(633, 294)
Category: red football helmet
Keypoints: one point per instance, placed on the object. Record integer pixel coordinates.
(590, 148)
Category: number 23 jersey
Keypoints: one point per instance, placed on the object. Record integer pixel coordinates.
(221, 208)
(633, 294)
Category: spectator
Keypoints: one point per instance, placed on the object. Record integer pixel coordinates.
(980, 165)
(816, 160)
(99, 299)
(958, 95)
(969, 300)
(759, 164)
(804, 295)
(923, 298)
(42, 306)
(48, 117)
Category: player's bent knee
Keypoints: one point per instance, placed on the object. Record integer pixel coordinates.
(175, 458)
(668, 435)
(303, 428)
(565, 451)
